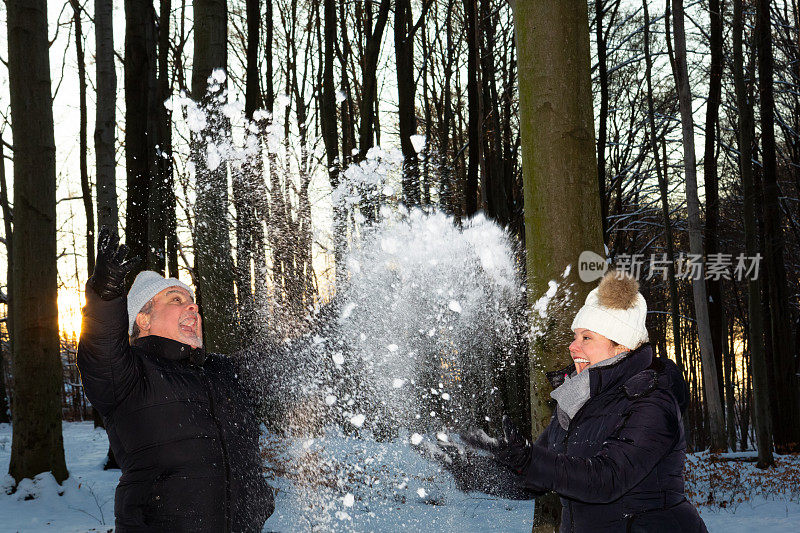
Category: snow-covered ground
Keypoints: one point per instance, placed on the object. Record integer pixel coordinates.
(341, 483)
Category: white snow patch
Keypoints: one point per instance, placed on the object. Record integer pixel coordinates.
(348, 500)
(418, 141)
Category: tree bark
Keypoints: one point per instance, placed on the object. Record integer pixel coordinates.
(404, 31)
(8, 234)
(86, 189)
(786, 420)
(214, 269)
(710, 381)
(369, 81)
(165, 167)
(475, 116)
(139, 64)
(37, 445)
(330, 135)
(105, 117)
(716, 314)
(663, 187)
(559, 164)
(755, 332)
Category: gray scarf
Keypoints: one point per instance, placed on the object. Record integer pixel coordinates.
(575, 391)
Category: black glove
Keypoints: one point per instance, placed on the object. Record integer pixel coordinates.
(511, 449)
(111, 267)
(514, 450)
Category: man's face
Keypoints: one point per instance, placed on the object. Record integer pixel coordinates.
(174, 316)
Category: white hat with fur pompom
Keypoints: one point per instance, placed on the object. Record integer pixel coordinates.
(615, 309)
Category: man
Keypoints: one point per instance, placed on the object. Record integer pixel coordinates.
(180, 424)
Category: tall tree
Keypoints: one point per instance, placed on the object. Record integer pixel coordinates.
(474, 108)
(166, 241)
(716, 314)
(559, 164)
(105, 116)
(710, 382)
(663, 187)
(602, 66)
(755, 330)
(7, 233)
(404, 30)
(212, 246)
(86, 189)
(329, 128)
(37, 444)
(139, 69)
(248, 187)
(369, 76)
(786, 419)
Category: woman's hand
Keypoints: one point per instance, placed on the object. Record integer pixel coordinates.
(514, 451)
(511, 449)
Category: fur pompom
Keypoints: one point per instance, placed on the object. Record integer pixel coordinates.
(617, 290)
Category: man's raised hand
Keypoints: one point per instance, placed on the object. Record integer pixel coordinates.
(111, 266)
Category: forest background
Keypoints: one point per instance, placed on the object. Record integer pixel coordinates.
(252, 181)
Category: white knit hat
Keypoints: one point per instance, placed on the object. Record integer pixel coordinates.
(146, 285)
(615, 309)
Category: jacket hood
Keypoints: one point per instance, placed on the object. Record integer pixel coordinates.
(671, 378)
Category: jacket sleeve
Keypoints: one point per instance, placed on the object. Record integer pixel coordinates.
(542, 441)
(108, 370)
(642, 440)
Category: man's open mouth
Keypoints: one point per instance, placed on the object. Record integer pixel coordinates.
(581, 360)
(187, 325)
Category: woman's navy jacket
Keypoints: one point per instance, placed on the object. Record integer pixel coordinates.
(619, 465)
(184, 434)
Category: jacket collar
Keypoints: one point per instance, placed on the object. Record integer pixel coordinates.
(171, 349)
(605, 377)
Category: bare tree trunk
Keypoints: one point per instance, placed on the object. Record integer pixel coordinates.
(602, 46)
(475, 115)
(37, 445)
(716, 312)
(710, 382)
(86, 189)
(8, 234)
(663, 187)
(447, 185)
(165, 168)
(245, 185)
(786, 420)
(330, 134)
(404, 31)
(214, 269)
(369, 81)
(139, 64)
(559, 163)
(105, 117)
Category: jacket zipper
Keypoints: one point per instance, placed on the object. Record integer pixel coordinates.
(224, 448)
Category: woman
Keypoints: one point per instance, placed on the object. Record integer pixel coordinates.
(614, 450)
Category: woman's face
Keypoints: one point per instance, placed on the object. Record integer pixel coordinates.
(589, 348)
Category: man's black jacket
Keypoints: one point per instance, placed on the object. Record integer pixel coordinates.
(185, 434)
